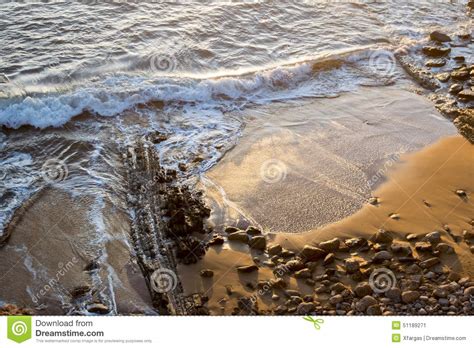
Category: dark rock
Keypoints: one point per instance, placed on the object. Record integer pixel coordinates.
(435, 51)
(238, 237)
(311, 253)
(381, 256)
(329, 259)
(383, 237)
(460, 75)
(363, 289)
(466, 94)
(207, 273)
(303, 273)
(423, 246)
(274, 249)
(353, 243)
(98, 308)
(305, 308)
(365, 303)
(455, 88)
(374, 310)
(294, 265)
(439, 36)
(394, 294)
(444, 248)
(410, 296)
(433, 237)
(278, 283)
(429, 262)
(231, 229)
(352, 265)
(258, 242)
(336, 299)
(253, 231)
(247, 269)
(217, 240)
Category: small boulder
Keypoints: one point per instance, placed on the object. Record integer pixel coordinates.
(238, 237)
(365, 303)
(410, 296)
(311, 253)
(439, 36)
(274, 249)
(258, 242)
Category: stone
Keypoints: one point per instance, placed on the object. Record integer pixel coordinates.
(439, 36)
(275, 297)
(460, 75)
(355, 242)
(231, 229)
(428, 263)
(435, 63)
(247, 269)
(330, 245)
(217, 240)
(374, 310)
(338, 287)
(467, 235)
(258, 242)
(311, 253)
(394, 294)
(401, 249)
(443, 77)
(98, 308)
(455, 88)
(305, 308)
(207, 273)
(433, 237)
(294, 265)
(466, 94)
(381, 256)
(435, 51)
(336, 299)
(365, 303)
(373, 201)
(274, 249)
(363, 289)
(352, 265)
(410, 296)
(329, 259)
(278, 283)
(444, 248)
(383, 237)
(423, 246)
(239, 237)
(303, 273)
(459, 59)
(411, 237)
(469, 291)
(253, 231)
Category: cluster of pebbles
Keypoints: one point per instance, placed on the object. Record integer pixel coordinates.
(375, 276)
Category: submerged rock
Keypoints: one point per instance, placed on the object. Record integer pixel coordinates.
(439, 36)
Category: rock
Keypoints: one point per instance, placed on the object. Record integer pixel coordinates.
(439, 36)
(435, 63)
(311, 253)
(365, 303)
(258, 242)
(373, 201)
(363, 289)
(401, 249)
(445, 248)
(294, 265)
(329, 259)
(455, 88)
(466, 94)
(247, 269)
(467, 235)
(374, 310)
(98, 308)
(303, 273)
(239, 237)
(355, 242)
(423, 246)
(352, 265)
(287, 253)
(330, 245)
(434, 51)
(428, 263)
(274, 249)
(275, 297)
(305, 308)
(460, 75)
(383, 237)
(459, 59)
(394, 294)
(433, 237)
(217, 240)
(410, 296)
(381, 256)
(253, 231)
(443, 77)
(231, 229)
(207, 273)
(469, 291)
(337, 287)
(336, 299)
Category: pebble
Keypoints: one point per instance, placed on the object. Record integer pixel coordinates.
(303, 273)
(410, 296)
(329, 259)
(207, 273)
(365, 303)
(381, 256)
(352, 265)
(330, 245)
(428, 263)
(363, 289)
(311, 253)
(382, 236)
(274, 249)
(455, 88)
(433, 237)
(336, 299)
